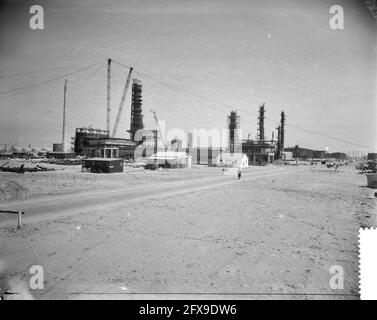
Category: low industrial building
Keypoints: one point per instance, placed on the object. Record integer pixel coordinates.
(100, 165)
(287, 155)
(300, 153)
(336, 156)
(109, 148)
(319, 154)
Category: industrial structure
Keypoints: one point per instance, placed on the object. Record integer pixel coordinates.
(299, 153)
(84, 135)
(261, 118)
(98, 143)
(136, 109)
(143, 143)
(233, 127)
(261, 151)
(281, 133)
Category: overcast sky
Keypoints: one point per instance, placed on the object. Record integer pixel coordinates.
(239, 53)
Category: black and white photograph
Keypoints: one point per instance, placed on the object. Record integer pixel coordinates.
(186, 150)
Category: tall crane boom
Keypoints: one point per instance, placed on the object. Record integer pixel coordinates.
(127, 84)
(158, 125)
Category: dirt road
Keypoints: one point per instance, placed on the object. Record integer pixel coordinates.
(46, 208)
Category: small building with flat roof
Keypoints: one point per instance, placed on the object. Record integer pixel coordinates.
(101, 165)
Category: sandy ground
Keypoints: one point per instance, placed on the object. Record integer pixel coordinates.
(189, 233)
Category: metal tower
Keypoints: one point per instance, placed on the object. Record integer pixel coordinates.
(136, 108)
(261, 123)
(233, 126)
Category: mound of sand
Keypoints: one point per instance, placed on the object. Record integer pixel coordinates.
(11, 190)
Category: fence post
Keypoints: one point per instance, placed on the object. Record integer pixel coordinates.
(19, 220)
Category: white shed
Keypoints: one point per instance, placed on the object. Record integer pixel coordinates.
(170, 159)
(236, 160)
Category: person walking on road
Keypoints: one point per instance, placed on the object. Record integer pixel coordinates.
(21, 170)
(239, 174)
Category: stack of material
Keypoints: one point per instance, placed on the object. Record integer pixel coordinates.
(37, 168)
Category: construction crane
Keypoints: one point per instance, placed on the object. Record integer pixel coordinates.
(158, 125)
(126, 86)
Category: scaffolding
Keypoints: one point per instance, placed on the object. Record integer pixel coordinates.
(136, 109)
(261, 118)
(233, 127)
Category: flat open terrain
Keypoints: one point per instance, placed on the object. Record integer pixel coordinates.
(138, 234)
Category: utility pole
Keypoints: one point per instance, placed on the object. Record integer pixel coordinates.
(108, 107)
(64, 103)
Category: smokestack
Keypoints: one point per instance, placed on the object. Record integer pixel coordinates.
(64, 102)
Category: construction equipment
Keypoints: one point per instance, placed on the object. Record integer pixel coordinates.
(158, 126)
(126, 86)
